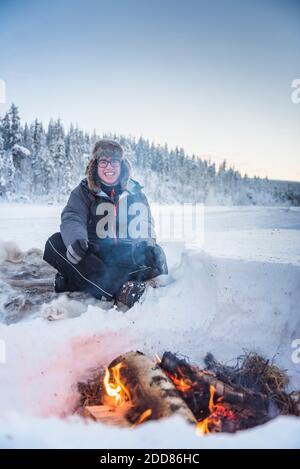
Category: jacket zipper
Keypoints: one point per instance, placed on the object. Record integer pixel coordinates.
(114, 224)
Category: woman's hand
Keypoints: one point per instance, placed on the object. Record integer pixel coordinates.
(77, 250)
(145, 255)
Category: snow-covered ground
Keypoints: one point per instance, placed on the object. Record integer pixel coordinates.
(235, 289)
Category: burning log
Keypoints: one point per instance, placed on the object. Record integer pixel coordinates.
(134, 389)
(148, 388)
(207, 396)
(180, 368)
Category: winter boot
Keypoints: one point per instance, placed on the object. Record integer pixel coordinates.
(131, 292)
(60, 283)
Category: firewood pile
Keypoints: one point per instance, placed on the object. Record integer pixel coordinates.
(219, 398)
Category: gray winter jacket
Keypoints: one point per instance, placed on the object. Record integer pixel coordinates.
(104, 222)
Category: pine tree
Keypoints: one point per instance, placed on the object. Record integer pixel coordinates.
(39, 181)
(6, 131)
(7, 171)
(15, 126)
(27, 137)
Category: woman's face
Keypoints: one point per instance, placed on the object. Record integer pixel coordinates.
(109, 170)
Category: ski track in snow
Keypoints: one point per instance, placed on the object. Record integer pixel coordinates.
(238, 290)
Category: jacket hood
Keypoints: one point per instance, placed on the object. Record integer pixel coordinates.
(93, 180)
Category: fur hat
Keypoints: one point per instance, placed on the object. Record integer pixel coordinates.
(112, 149)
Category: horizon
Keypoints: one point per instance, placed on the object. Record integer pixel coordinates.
(212, 78)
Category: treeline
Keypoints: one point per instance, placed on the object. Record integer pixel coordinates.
(38, 163)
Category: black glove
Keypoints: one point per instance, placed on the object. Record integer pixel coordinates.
(77, 250)
(152, 256)
(145, 255)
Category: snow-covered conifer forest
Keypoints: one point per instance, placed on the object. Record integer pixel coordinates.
(44, 162)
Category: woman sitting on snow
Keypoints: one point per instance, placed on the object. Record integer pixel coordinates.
(106, 245)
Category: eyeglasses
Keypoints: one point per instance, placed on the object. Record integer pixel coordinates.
(114, 162)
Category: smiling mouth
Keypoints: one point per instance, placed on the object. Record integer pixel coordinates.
(110, 173)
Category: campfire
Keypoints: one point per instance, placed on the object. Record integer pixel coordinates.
(134, 389)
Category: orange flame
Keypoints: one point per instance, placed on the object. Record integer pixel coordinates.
(143, 417)
(181, 384)
(211, 405)
(202, 427)
(115, 388)
(217, 410)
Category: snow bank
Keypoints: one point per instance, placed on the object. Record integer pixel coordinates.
(29, 432)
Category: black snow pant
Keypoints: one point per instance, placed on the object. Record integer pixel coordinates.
(93, 274)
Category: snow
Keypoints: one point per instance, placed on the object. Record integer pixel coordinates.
(235, 289)
(20, 150)
(169, 433)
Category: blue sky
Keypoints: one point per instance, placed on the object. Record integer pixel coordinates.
(211, 76)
